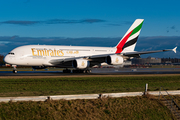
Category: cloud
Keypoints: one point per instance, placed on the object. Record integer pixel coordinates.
(63, 21)
(52, 21)
(143, 43)
(172, 29)
(20, 22)
(115, 24)
(158, 42)
(120, 24)
(92, 21)
(127, 22)
(4, 42)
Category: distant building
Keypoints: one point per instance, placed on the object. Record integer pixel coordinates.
(170, 60)
(149, 60)
(127, 62)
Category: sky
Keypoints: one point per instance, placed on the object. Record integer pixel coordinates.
(25, 22)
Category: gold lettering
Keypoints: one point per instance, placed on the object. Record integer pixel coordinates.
(76, 52)
(45, 52)
(83, 63)
(40, 52)
(62, 53)
(58, 53)
(33, 52)
(70, 52)
(52, 53)
(117, 60)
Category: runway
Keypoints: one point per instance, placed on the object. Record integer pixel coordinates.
(97, 71)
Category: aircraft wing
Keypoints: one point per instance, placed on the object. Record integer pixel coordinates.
(137, 54)
(101, 58)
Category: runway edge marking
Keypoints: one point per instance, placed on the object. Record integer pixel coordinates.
(82, 96)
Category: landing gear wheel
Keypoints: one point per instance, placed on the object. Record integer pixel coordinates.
(77, 71)
(74, 71)
(88, 71)
(81, 71)
(14, 68)
(66, 71)
(84, 71)
(14, 71)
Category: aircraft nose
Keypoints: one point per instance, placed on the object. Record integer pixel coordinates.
(7, 59)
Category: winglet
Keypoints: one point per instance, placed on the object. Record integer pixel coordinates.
(174, 49)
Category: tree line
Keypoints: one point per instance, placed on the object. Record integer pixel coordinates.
(2, 59)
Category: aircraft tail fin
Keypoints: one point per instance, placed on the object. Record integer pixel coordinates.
(129, 40)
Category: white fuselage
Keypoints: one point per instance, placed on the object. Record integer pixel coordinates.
(40, 55)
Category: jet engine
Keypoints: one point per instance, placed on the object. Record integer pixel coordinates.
(114, 60)
(80, 63)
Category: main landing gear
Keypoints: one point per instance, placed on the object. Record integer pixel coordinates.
(77, 71)
(66, 71)
(82, 71)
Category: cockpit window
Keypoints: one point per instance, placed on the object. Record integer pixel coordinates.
(11, 53)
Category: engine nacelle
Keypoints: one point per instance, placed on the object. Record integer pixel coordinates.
(39, 67)
(114, 60)
(80, 63)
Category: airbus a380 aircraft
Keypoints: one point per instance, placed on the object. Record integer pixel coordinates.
(78, 57)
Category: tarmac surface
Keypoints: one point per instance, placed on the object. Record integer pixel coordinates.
(96, 71)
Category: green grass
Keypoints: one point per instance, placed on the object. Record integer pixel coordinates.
(136, 108)
(84, 85)
(148, 108)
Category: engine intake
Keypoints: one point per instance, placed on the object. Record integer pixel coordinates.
(114, 60)
(80, 63)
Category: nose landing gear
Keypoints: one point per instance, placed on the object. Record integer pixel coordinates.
(14, 68)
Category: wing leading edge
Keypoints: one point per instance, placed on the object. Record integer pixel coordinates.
(137, 54)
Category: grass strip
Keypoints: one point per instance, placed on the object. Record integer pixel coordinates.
(84, 85)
